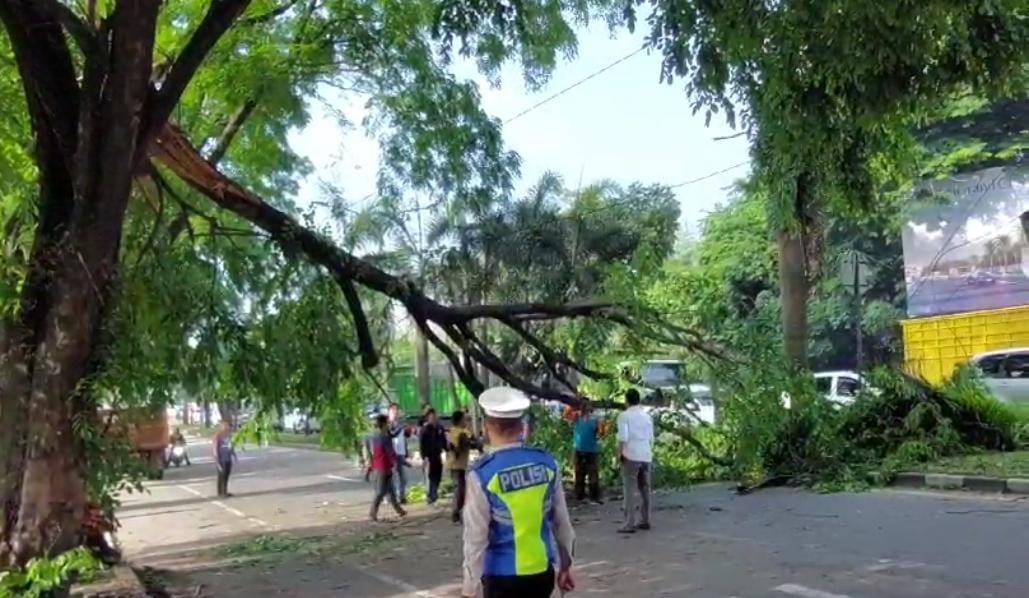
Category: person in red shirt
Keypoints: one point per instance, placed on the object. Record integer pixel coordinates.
(382, 459)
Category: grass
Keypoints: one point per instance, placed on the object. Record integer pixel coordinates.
(1021, 410)
(1014, 464)
(293, 438)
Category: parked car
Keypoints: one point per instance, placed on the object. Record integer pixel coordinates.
(839, 386)
(1005, 373)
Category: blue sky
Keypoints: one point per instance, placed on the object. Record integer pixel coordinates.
(622, 125)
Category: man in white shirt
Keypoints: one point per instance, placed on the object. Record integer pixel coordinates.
(635, 448)
(399, 432)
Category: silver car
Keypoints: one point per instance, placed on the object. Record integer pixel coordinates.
(1005, 373)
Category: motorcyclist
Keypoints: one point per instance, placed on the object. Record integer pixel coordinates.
(177, 439)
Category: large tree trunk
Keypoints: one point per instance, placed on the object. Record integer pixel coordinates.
(799, 255)
(86, 150)
(793, 284)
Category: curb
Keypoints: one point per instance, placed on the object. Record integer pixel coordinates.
(970, 483)
(121, 582)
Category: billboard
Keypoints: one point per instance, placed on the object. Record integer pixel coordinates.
(965, 247)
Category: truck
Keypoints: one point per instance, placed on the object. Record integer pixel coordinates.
(146, 431)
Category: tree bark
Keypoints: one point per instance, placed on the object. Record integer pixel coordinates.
(794, 275)
(91, 130)
(80, 271)
(793, 286)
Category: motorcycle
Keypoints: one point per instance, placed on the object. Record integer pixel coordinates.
(178, 455)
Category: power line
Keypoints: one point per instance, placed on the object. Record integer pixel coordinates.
(576, 84)
(710, 175)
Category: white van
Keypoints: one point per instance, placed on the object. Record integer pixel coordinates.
(839, 386)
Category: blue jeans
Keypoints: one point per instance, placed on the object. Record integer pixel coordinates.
(400, 480)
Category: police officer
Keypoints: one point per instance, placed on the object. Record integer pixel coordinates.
(518, 537)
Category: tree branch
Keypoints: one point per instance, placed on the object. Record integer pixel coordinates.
(551, 357)
(231, 130)
(174, 151)
(79, 30)
(221, 15)
(271, 15)
(369, 356)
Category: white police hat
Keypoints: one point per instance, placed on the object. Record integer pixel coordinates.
(504, 402)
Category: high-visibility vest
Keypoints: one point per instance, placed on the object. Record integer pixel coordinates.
(519, 483)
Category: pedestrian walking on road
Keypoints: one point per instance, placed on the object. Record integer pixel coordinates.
(635, 449)
(586, 440)
(224, 455)
(381, 463)
(517, 529)
(399, 433)
(459, 448)
(432, 442)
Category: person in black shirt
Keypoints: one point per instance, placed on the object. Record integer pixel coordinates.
(432, 443)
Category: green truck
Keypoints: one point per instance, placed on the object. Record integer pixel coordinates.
(445, 397)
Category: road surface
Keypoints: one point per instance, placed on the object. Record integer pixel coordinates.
(706, 542)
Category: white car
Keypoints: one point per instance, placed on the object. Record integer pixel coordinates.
(1005, 373)
(700, 407)
(839, 386)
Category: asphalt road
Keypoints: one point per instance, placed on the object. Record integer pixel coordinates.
(706, 542)
(274, 488)
(957, 295)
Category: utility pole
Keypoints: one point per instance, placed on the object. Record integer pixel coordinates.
(854, 270)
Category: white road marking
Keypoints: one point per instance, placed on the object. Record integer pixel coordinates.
(806, 592)
(342, 478)
(225, 507)
(888, 565)
(190, 490)
(399, 584)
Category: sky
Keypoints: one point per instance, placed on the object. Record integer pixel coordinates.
(623, 125)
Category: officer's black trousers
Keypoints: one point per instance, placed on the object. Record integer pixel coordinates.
(540, 585)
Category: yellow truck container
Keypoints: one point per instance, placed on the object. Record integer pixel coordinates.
(934, 346)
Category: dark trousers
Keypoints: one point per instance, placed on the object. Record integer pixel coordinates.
(384, 489)
(459, 492)
(435, 475)
(224, 471)
(540, 585)
(587, 466)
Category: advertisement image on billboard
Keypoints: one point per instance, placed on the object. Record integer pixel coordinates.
(965, 249)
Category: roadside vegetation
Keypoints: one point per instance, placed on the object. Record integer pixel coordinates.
(154, 251)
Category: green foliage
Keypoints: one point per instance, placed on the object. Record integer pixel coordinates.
(960, 414)
(267, 544)
(113, 466)
(41, 576)
(902, 423)
(677, 464)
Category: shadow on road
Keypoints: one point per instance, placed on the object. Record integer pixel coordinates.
(295, 490)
